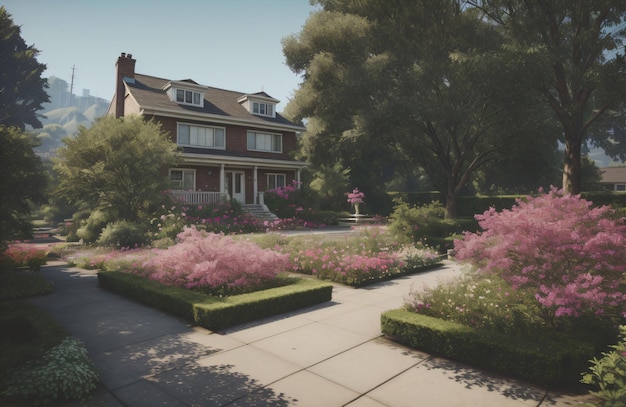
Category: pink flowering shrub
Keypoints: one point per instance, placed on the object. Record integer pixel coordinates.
(293, 206)
(20, 255)
(202, 260)
(569, 255)
(365, 258)
(225, 217)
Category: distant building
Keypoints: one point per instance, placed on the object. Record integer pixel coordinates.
(614, 178)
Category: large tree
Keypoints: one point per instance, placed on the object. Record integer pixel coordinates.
(118, 166)
(22, 89)
(416, 81)
(23, 183)
(572, 49)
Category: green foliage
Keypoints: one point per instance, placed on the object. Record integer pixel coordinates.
(117, 166)
(22, 284)
(608, 374)
(23, 181)
(331, 182)
(213, 312)
(90, 228)
(425, 224)
(65, 372)
(26, 332)
(547, 360)
(22, 87)
(124, 234)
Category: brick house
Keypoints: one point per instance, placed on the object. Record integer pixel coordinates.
(232, 144)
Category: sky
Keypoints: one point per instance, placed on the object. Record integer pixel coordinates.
(228, 44)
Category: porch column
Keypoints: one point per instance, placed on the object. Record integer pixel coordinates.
(255, 187)
(298, 177)
(222, 178)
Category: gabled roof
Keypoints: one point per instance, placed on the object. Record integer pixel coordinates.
(613, 175)
(150, 94)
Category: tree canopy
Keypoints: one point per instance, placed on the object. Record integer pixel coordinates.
(118, 166)
(22, 89)
(575, 57)
(419, 83)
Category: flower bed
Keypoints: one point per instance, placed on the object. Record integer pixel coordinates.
(365, 258)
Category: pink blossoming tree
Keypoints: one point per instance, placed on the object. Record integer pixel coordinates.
(570, 255)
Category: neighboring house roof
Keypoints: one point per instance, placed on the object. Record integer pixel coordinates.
(149, 93)
(613, 175)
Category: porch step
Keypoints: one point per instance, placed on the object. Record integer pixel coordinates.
(259, 211)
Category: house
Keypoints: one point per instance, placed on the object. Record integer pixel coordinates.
(614, 178)
(232, 144)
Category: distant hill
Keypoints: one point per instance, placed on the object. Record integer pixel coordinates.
(64, 114)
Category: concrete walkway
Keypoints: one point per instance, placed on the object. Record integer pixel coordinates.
(332, 354)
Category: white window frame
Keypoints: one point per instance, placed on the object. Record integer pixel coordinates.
(183, 171)
(201, 133)
(266, 142)
(263, 109)
(619, 187)
(189, 97)
(274, 176)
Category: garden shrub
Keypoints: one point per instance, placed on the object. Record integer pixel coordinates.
(91, 227)
(20, 255)
(65, 372)
(425, 224)
(217, 312)
(22, 284)
(569, 255)
(293, 205)
(551, 359)
(123, 234)
(608, 374)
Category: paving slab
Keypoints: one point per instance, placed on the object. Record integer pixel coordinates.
(366, 366)
(311, 344)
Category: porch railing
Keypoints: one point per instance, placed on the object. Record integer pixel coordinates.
(200, 197)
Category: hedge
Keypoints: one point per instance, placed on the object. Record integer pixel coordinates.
(212, 312)
(555, 361)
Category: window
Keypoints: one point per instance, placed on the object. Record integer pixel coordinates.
(189, 97)
(265, 142)
(201, 136)
(264, 109)
(620, 187)
(183, 179)
(275, 181)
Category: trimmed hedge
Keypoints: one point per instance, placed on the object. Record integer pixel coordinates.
(555, 361)
(212, 312)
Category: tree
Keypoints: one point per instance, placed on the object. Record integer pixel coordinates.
(22, 184)
(118, 166)
(22, 89)
(395, 81)
(572, 51)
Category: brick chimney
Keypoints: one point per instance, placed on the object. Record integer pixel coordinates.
(125, 70)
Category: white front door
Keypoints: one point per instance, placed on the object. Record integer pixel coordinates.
(235, 185)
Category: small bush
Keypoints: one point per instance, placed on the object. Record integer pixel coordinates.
(608, 374)
(65, 373)
(123, 234)
(425, 224)
(89, 229)
(17, 255)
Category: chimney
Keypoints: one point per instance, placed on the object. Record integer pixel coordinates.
(125, 70)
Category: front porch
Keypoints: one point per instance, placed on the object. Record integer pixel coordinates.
(201, 197)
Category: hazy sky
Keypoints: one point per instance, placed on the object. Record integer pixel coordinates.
(229, 44)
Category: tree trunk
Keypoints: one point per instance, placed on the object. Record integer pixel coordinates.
(451, 198)
(571, 165)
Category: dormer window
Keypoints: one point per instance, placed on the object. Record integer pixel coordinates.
(185, 92)
(264, 109)
(260, 104)
(189, 97)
